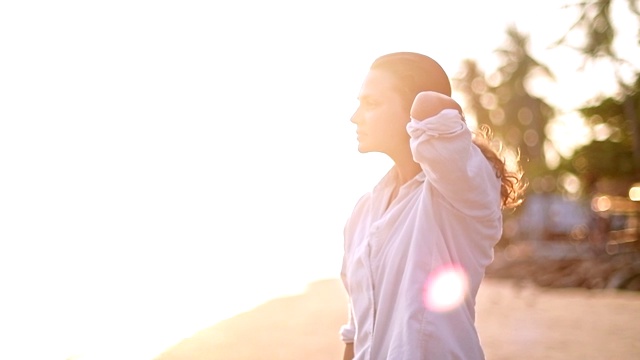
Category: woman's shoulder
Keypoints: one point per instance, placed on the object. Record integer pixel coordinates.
(362, 204)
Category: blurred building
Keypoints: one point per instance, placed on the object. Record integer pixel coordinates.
(556, 226)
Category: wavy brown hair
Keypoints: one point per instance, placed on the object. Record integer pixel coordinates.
(510, 173)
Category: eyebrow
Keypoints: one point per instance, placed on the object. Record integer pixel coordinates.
(366, 97)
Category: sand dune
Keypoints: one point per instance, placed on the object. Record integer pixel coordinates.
(514, 322)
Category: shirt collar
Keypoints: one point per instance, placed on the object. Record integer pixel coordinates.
(389, 179)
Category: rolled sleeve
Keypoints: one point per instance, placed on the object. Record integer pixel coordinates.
(447, 122)
(347, 334)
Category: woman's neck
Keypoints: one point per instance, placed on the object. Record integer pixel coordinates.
(406, 169)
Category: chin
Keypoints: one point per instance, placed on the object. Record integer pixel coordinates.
(367, 147)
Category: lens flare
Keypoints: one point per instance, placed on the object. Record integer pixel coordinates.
(445, 289)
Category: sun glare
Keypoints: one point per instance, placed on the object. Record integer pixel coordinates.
(446, 289)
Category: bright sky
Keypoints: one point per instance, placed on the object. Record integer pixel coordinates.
(168, 164)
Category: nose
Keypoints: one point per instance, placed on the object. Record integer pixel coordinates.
(356, 118)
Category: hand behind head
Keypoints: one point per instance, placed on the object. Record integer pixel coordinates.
(430, 103)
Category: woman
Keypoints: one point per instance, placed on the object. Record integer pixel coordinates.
(417, 245)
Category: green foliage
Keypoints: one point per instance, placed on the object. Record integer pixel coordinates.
(518, 64)
(502, 101)
(604, 159)
(618, 155)
(595, 22)
(612, 113)
(472, 84)
(518, 119)
(608, 111)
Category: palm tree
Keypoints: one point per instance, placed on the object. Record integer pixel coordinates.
(618, 113)
(517, 117)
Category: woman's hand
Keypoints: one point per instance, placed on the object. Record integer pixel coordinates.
(430, 103)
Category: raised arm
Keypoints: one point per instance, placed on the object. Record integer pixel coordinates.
(442, 144)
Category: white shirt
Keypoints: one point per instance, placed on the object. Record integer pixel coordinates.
(448, 215)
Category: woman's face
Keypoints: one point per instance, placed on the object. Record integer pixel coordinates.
(382, 115)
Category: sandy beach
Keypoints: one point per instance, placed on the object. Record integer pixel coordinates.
(514, 322)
